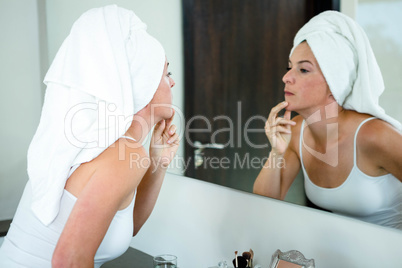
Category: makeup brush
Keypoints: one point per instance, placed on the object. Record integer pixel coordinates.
(247, 256)
(237, 264)
(251, 257)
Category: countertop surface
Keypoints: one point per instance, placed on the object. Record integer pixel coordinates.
(131, 258)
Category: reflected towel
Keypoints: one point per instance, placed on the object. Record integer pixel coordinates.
(347, 61)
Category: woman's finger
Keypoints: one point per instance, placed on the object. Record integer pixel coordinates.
(277, 131)
(170, 120)
(282, 129)
(274, 111)
(172, 129)
(159, 128)
(283, 121)
(287, 115)
(279, 121)
(173, 138)
(169, 131)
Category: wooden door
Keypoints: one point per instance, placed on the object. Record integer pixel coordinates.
(236, 52)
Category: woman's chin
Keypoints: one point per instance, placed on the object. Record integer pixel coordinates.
(289, 107)
(168, 113)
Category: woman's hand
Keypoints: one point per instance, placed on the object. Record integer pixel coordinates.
(278, 129)
(164, 143)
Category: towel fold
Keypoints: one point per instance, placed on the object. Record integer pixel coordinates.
(347, 61)
(106, 70)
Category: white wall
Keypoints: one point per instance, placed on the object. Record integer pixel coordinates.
(203, 223)
(20, 95)
(348, 7)
(382, 22)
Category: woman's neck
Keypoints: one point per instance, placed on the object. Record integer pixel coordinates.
(323, 124)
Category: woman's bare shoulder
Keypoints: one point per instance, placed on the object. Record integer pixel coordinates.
(122, 165)
(122, 160)
(378, 134)
(375, 128)
(125, 156)
(298, 119)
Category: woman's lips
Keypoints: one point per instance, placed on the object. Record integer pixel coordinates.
(287, 93)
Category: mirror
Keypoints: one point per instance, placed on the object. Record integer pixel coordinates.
(290, 259)
(240, 103)
(227, 103)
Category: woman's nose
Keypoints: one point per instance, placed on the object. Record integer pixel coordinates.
(288, 77)
(172, 83)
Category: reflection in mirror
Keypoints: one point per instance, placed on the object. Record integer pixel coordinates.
(228, 97)
(231, 90)
(290, 259)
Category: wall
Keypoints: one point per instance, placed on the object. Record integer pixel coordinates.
(20, 95)
(348, 7)
(203, 223)
(382, 22)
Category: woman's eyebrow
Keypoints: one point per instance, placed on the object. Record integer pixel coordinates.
(304, 61)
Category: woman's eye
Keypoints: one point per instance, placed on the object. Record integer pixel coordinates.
(169, 74)
(288, 68)
(303, 71)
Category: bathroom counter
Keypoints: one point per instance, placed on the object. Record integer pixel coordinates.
(131, 258)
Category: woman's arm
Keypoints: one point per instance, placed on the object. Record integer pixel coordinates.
(163, 147)
(382, 144)
(108, 189)
(282, 166)
(277, 175)
(147, 194)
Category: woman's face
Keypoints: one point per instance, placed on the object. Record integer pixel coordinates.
(162, 100)
(305, 87)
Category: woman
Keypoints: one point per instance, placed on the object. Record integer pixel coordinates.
(350, 151)
(91, 183)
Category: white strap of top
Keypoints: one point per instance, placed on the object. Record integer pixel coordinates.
(127, 137)
(301, 142)
(354, 141)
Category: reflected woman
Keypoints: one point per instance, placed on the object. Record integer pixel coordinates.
(91, 184)
(349, 150)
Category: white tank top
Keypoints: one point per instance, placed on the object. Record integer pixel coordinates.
(372, 199)
(31, 244)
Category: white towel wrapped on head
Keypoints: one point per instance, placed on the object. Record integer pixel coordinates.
(107, 69)
(347, 62)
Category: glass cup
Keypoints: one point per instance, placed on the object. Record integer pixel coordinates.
(165, 261)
